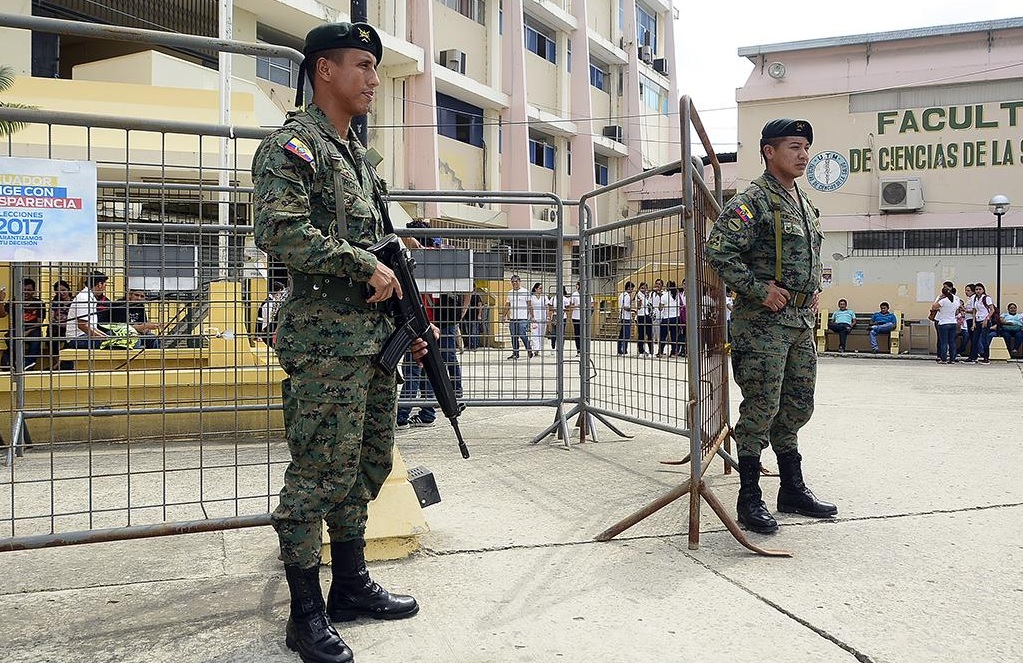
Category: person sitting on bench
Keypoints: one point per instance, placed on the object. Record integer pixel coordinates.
(842, 322)
(881, 322)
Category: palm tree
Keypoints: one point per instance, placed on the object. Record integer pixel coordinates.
(8, 127)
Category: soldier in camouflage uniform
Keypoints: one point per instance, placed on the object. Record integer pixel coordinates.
(766, 245)
(315, 213)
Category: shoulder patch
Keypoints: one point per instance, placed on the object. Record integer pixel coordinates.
(744, 213)
(299, 149)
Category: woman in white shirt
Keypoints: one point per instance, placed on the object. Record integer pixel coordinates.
(982, 308)
(644, 324)
(670, 326)
(943, 313)
(538, 309)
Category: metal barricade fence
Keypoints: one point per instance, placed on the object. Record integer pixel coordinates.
(183, 432)
(180, 430)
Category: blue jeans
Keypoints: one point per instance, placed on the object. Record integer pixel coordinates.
(842, 329)
(645, 333)
(519, 330)
(979, 341)
(624, 334)
(1013, 339)
(879, 329)
(947, 341)
(415, 381)
(84, 343)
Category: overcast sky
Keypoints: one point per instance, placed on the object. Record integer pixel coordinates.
(710, 34)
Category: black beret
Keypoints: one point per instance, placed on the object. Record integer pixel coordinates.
(343, 35)
(336, 35)
(785, 126)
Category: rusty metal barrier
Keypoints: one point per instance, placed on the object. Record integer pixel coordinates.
(705, 419)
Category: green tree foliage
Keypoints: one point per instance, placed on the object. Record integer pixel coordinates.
(6, 83)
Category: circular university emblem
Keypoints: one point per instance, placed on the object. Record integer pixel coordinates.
(827, 171)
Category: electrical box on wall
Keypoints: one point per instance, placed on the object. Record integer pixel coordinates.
(901, 194)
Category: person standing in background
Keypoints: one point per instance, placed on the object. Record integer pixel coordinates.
(538, 315)
(644, 322)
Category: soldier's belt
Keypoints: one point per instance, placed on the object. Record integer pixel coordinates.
(801, 299)
(335, 288)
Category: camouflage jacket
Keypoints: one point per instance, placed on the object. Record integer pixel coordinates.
(741, 248)
(297, 223)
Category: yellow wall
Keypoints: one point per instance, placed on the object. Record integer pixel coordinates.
(461, 165)
(542, 78)
(452, 30)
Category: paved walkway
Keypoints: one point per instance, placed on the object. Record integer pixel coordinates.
(924, 563)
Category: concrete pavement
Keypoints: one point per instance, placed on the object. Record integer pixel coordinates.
(923, 564)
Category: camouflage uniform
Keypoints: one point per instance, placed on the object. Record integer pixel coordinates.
(338, 407)
(774, 358)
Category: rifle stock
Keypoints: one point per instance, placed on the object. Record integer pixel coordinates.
(412, 323)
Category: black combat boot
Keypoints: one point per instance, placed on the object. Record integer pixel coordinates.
(793, 495)
(309, 632)
(354, 594)
(752, 511)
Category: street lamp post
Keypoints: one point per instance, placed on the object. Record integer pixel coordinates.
(999, 205)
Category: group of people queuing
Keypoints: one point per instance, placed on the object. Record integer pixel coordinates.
(843, 320)
(966, 326)
(532, 317)
(88, 319)
(660, 317)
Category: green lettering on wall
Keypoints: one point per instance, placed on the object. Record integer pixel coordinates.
(933, 119)
(884, 119)
(953, 117)
(883, 158)
(909, 123)
(981, 124)
(1012, 107)
(981, 153)
(952, 154)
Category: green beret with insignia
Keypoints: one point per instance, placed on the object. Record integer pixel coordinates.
(337, 35)
(785, 126)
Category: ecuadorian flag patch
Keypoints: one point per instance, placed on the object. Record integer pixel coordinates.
(299, 149)
(744, 213)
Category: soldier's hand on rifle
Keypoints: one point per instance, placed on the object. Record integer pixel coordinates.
(418, 346)
(384, 284)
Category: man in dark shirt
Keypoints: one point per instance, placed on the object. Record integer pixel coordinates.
(33, 311)
(132, 311)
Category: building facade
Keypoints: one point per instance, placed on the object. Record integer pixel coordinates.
(557, 96)
(914, 132)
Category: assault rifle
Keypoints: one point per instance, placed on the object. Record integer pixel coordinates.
(411, 323)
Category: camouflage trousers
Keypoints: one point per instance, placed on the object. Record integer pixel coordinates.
(341, 453)
(776, 369)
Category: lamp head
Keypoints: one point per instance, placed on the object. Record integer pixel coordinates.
(999, 204)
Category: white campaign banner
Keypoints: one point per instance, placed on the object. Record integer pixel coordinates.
(47, 210)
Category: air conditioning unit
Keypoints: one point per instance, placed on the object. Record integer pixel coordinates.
(901, 194)
(614, 132)
(453, 59)
(549, 214)
(661, 66)
(646, 54)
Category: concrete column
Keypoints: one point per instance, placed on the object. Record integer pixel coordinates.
(515, 165)
(16, 45)
(422, 153)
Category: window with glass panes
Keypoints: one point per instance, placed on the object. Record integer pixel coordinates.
(541, 43)
(474, 9)
(599, 77)
(541, 151)
(646, 27)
